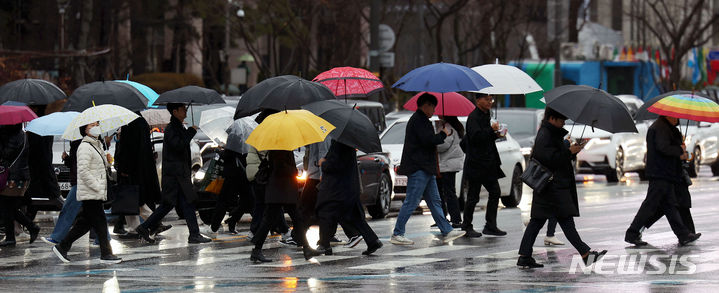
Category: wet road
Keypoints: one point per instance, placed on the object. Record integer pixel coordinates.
(484, 264)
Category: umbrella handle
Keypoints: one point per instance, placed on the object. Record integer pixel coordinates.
(585, 128)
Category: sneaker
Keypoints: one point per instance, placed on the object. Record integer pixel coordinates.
(144, 233)
(119, 230)
(553, 240)
(471, 233)
(528, 262)
(452, 235)
(250, 235)
(593, 257)
(493, 231)
(371, 248)
(198, 239)
(354, 240)
(62, 255)
(49, 240)
(336, 241)
(160, 228)
(457, 225)
(110, 259)
(690, 238)
(400, 240)
(289, 241)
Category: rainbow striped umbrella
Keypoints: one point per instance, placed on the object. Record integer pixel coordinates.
(687, 107)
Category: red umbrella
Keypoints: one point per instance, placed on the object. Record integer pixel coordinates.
(350, 82)
(10, 115)
(450, 104)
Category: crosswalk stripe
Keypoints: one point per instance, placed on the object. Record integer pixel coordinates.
(296, 262)
(431, 250)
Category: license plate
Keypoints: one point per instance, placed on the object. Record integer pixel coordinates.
(400, 181)
(65, 186)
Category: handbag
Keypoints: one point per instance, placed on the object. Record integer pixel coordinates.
(263, 171)
(5, 174)
(537, 176)
(126, 199)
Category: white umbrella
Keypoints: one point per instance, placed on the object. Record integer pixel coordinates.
(110, 117)
(237, 134)
(214, 122)
(506, 80)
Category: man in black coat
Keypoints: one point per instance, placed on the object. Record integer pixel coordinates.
(665, 152)
(481, 166)
(421, 166)
(177, 186)
(339, 198)
(44, 181)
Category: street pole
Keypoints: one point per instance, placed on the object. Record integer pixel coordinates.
(374, 16)
(227, 47)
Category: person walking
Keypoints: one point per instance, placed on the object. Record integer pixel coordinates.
(559, 198)
(235, 184)
(177, 189)
(550, 239)
(419, 163)
(665, 151)
(451, 158)
(339, 199)
(92, 168)
(14, 161)
(44, 181)
(481, 166)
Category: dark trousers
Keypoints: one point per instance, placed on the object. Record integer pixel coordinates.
(660, 197)
(188, 210)
(448, 193)
(551, 227)
(259, 211)
(10, 212)
(475, 186)
(273, 216)
(306, 208)
(331, 213)
(91, 216)
(235, 183)
(567, 224)
(684, 213)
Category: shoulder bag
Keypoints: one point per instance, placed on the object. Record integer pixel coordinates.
(537, 176)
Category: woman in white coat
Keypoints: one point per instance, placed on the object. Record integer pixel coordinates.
(92, 169)
(451, 161)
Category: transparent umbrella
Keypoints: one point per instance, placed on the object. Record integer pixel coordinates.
(214, 123)
(238, 133)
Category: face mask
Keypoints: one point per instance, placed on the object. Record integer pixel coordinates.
(95, 131)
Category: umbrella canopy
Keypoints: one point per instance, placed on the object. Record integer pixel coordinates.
(506, 80)
(238, 133)
(214, 123)
(149, 93)
(10, 115)
(106, 93)
(352, 127)
(280, 93)
(592, 107)
(289, 130)
(449, 104)
(31, 92)
(190, 94)
(350, 82)
(687, 107)
(110, 117)
(51, 124)
(442, 78)
(156, 117)
(644, 114)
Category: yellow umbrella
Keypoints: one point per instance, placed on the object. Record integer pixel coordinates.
(289, 130)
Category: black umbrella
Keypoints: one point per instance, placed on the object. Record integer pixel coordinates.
(193, 95)
(591, 107)
(106, 92)
(280, 93)
(352, 127)
(31, 92)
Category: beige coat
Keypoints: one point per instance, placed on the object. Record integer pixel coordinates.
(91, 170)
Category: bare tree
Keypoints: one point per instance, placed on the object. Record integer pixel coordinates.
(440, 12)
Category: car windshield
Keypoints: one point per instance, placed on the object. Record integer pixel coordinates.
(395, 134)
(519, 123)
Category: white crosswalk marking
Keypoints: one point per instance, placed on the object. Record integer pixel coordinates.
(295, 262)
(431, 250)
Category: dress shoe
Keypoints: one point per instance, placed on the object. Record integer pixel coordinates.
(60, 253)
(324, 250)
(593, 257)
(493, 231)
(635, 241)
(690, 238)
(371, 248)
(7, 243)
(471, 233)
(231, 223)
(553, 240)
(309, 253)
(110, 258)
(528, 262)
(119, 230)
(198, 239)
(34, 232)
(144, 233)
(457, 225)
(258, 257)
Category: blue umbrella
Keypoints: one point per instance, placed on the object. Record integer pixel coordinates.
(52, 124)
(149, 93)
(14, 103)
(442, 78)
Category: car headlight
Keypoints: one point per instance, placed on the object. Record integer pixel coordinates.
(598, 142)
(302, 177)
(526, 151)
(200, 174)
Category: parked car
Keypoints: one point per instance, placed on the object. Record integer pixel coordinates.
(701, 142)
(523, 123)
(509, 151)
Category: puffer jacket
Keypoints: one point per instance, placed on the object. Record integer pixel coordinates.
(253, 162)
(91, 170)
(451, 156)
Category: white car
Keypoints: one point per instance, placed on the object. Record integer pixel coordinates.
(701, 141)
(509, 152)
(612, 154)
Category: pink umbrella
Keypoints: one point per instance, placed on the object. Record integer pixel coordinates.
(450, 104)
(10, 115)
(350, 82)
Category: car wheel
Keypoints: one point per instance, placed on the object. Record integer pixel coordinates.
(694, 164)
(618, 167)
(515, 195)
(384, 198)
